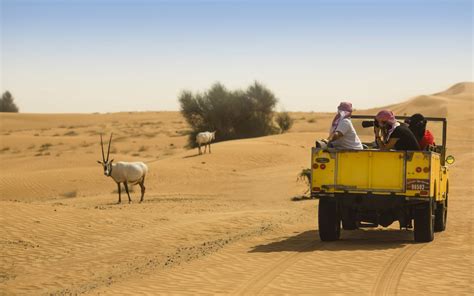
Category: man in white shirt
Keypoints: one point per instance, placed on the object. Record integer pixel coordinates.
(342, 134)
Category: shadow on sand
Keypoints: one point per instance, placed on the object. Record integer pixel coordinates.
(192, 155)
(309, 241)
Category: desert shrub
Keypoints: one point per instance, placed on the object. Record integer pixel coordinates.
(7, 103)
(232, 114)
(305, 176)
(45, 147)
(284, 121)
(70, 194)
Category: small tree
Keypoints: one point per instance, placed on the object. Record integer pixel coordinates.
(7, 104)
(232, 114)
(284, 121)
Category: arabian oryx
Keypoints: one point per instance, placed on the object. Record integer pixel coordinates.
(205, 138)
(124, 172)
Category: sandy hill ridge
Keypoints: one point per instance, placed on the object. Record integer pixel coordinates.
(437, 104)
(62, 233)
(465, 89)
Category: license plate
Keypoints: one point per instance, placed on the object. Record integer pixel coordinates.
(418, 184)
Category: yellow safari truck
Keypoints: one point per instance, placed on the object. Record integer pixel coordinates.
(368, 188)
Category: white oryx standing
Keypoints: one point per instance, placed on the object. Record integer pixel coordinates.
(124, 172)
(205, 138)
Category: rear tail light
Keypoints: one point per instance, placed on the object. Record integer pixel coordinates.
(322, 166)
(316, 189)
(418, 170)
(426, 169)
(315, 166)
(424, 192)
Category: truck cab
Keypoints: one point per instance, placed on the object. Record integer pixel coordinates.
(371, 188)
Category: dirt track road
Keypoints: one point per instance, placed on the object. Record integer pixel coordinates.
(292, 260)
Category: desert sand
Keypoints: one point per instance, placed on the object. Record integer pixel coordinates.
(220, 223)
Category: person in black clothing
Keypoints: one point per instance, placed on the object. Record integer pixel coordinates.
(417, 124)
(396, 136)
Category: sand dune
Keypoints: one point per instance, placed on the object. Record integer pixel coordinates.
(220, 223)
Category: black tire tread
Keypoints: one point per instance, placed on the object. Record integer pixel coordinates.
(329, 220)
(424, 222)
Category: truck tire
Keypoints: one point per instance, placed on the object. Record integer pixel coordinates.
(441, 215)
(424, 222)
(329, 220)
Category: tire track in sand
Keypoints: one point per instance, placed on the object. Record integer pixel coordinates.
(389, 278)
(261, 280)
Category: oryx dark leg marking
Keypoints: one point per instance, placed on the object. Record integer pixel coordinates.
(142, 186)
(126, 189)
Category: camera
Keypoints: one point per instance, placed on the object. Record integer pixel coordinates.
(369, 123)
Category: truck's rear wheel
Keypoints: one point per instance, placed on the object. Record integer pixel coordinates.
(424, 222)
(441, 215)
(329, 220)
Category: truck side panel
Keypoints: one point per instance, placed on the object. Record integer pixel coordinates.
(435, 177)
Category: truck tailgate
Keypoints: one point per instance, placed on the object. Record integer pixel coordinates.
(369, 171)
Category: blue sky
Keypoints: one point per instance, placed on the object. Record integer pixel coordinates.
(107, 56)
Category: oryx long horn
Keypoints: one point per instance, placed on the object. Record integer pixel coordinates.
(108, 151)
(102, 146)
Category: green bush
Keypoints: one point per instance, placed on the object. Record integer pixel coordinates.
(7, 104)
(284, 121)
(232, 114)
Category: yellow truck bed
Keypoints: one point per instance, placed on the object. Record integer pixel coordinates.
(408, 173)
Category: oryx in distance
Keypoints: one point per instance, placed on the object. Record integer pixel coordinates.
(205, 138)
(124, 172)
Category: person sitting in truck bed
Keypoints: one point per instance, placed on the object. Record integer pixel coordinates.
(417, 124)
(396, 136)
(342, 134)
